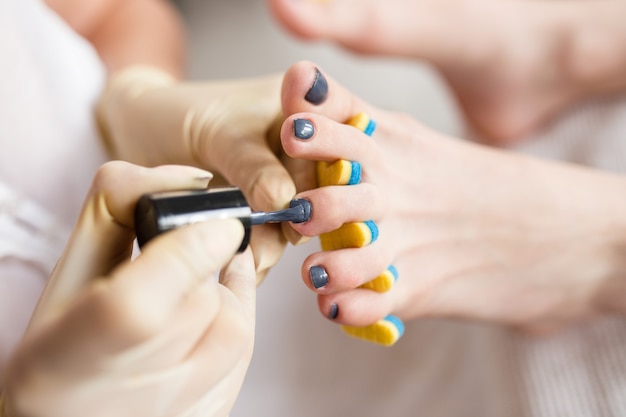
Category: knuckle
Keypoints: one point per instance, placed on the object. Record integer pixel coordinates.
(109, 172)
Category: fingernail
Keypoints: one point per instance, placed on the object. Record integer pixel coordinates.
(318, 275)
(334, 312)
(303, 129)
(205, 179)
(319, 90)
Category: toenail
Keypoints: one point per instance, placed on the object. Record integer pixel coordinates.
(334, 311)
(318, 275)
(303, 129)
(305, 205)
(319, 90)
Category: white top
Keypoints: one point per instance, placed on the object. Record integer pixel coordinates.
(50, 150)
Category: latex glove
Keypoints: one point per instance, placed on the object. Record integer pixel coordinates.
(228, 127)
(154, 337)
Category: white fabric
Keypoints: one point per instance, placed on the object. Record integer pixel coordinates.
(50, 149)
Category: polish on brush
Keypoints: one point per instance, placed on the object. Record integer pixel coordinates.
(299, 211)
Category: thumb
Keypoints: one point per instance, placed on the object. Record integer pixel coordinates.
(104, 232)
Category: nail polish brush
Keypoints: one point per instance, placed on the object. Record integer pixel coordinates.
(159, 212)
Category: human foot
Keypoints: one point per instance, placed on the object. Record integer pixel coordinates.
(459, 221)
(513, 65)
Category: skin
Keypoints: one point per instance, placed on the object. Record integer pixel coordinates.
(229, 127)
(110, 336)
(459, 221)
(531, 62)
(124, 33)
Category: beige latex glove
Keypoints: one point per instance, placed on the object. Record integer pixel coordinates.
(228, 127)
(158, 336)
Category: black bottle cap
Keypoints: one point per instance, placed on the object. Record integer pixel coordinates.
(159, 212)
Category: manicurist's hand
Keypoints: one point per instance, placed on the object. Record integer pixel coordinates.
(158, 336)
(228, 127)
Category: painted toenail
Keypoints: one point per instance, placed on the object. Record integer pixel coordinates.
(319, 90)
(334, 312)
(303, 129)
(305, 205)
(318, 275)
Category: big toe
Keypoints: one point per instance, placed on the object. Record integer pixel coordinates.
(306, 88)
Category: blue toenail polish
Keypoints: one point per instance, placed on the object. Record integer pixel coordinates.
(319, 90)
(305, 205)
(303, 129)
(334, 312)
(318, 275)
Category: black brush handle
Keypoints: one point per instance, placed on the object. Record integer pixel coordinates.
(159, 212)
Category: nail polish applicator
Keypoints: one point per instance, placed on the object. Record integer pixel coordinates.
(159, 212)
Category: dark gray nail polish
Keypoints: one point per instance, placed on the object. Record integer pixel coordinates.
(334, 311)
(319, 90)
(318, 275)
(303, 129)
(307, 208)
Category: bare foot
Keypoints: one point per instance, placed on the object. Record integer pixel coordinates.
(513, 65)
(473, 232)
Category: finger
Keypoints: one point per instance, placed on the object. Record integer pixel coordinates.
(225, 350)
(267, 186)
(194, 316)
(239, 277)
(104, 232)
(268, 244)
(239, 139)
(174, 263)
(141, 298)
(250, 165)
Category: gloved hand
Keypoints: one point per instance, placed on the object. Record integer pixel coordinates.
(228, 127)
(157, 336)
